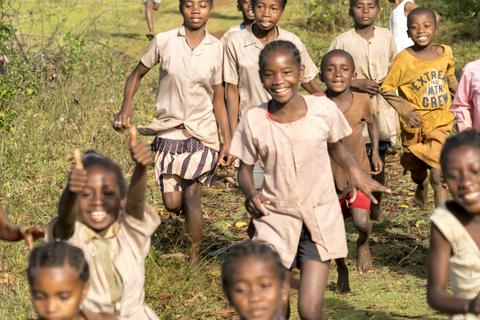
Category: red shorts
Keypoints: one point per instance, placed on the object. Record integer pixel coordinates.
(360, 202)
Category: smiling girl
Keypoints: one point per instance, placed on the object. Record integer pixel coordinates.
(113, 226)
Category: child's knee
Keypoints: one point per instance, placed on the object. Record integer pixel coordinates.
(172, 201)
(156, 6)
(361, 220)
(311, 310)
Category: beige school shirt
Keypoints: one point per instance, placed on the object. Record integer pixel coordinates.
(298, 178)
(372, 59)
(128, 243)
(464, 269)
(185, 89)
(240, 66)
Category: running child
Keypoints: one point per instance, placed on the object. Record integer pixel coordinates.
(466, 104)
(14, 233)
(245, 7)
(189, 105)
(113, 226)
(337, 70)
(255, 281)
(244, 88)
(455, 232)
(58, 275)
(150, 6)
(397, 23)
(297, 209)
(372, 49)
(424, 76)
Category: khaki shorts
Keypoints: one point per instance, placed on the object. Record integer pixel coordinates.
(171, 183)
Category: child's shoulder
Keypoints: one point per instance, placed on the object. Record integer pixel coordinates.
(382, 32)
(287, 35)
(320, 105)
(347, 35)
(361, 99)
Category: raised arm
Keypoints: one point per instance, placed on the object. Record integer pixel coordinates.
(358, 179)
(123, 118)
(221, 116)
(142, 156)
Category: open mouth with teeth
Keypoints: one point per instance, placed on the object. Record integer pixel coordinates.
(98, 216)
(280, 90)
(422, 38)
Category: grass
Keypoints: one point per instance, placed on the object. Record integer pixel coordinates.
(76, 110)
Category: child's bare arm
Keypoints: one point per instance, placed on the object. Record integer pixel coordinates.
(142, 156)
(373, 134)
(358, 179)
(437, 268)
(12, 232)
(313, 87)
(220, 111)
(366, 85)
(409, 115)
(68, 207)
(233, 106)
(254, 200)
(124, 116)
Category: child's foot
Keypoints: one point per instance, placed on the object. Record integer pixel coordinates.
(420, 199)
(150, 36)
(195, 259)
(343, 284)
(364, 258)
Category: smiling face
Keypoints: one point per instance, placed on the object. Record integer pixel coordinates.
(422, 28)
(364, 12)
(461, 172)
(337, 72)
(100, 201)
(245, 6)
(267, 13)
(281, 75)
(195, 13)
(57, 293)
(256, 291)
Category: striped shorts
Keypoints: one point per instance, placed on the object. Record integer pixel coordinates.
(178, 160)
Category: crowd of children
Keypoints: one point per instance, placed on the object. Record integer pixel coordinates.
(245, 87)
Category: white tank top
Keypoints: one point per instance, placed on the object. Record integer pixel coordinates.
(397, 24)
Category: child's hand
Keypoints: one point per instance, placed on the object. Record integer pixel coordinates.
(366, 85)
(78, 176)
(413, 119)
(225, 158)
(141, 154)
(377, 164)
(254, 205)
(32, 234)
(363, 182)
(122, 120)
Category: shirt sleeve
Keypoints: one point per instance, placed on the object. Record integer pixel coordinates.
(230, 62)
(242, 145)
(339, 126)
(461, 105)
(311, 70)
(368, 111)
(218, 74)
(138, 232)
(153, 54)
(451, 78)
(393, 49)
(389, 88)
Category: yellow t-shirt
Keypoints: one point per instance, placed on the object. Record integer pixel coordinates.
(424, 84)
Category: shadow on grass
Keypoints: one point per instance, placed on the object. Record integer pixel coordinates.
(339, 309)
(127, 35)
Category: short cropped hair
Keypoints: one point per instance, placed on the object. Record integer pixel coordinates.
(421, 10)
(323, 63)
(470, 138)
(283, 3)
(353, 2)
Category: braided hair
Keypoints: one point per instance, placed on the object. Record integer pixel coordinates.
(58, 254)
(243, 250)
(94, 159)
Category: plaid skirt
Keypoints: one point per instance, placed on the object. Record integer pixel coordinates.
(189, 159)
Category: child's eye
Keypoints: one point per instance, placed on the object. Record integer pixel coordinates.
(86, 194)
(64, 295)
(38, 296)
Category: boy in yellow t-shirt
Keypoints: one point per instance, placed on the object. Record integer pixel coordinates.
(425, 79)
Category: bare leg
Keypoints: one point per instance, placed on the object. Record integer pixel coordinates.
(343, 283)
(313, 281)
(420, 177)
(375, 209)
(172, 201)
(362, 222)
(441, 193)
(193, 219)
(149, 16)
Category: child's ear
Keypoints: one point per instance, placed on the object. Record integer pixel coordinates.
(302, 72)
(350, 12)
(86, 286)
(354, 75)
(320, 76)
(123, 202)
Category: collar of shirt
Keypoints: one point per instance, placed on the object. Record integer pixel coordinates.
(250, 38)
(206, 40)
(112, 232)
